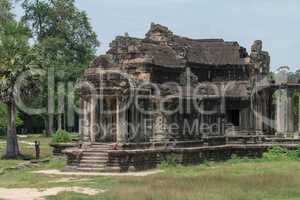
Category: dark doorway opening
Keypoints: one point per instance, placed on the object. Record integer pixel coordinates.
(233, 116)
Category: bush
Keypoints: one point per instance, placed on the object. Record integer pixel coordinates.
(295, 154)
(74, 136)
(169, 161)
(276, 153)
(237, 159)
(61, 136)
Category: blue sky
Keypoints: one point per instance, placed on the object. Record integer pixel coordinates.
(276, 22)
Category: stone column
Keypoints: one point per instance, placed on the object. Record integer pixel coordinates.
(93, 125)
(278, 117)
(81, 118)
(264, 111)
(202, 121)
(284, 108)
(159, 127)
(299, 115)
(258, 115)
(290, 113)
(222, 116)
(281, 112)
(86, 122)
(121, 121)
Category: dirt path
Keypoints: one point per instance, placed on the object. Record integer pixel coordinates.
(35, 194)
(57, 172)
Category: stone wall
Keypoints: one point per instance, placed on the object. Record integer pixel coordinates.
(137, 160)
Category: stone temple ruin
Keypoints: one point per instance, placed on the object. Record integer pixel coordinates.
(194, 99)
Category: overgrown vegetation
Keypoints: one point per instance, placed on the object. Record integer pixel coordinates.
(61, 136)
(239, 178)
(169, 161)
(275, 153)
(27, 147)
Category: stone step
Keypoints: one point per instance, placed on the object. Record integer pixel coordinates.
(98, 156)
(94, 166)
(102, 146)
(93, 161)
(89, 169)
(97, 150)
(98, 146)
(93, 157)
(94, 154)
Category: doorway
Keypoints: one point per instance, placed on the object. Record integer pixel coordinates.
(233, 117)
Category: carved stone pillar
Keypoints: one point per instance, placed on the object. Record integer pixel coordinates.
(278, 119)
(81, 118)
(299, 115)
(121, 121)
(159, 127)
(222, 116)
(93, 122)
(284, 107)
(160, 132)
(281, 112)
(258, 115)
(86, 121)
(290, 113)
(264, 111)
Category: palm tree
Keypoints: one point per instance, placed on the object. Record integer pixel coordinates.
(14, 60)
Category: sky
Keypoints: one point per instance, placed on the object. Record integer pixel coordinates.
(275, 22)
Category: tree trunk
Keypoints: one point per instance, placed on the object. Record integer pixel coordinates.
(65, 124)
(12, 147)
(59, 121)
(46, 133)
(50, 124)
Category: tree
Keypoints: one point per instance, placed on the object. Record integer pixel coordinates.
(14, 60)
(5, 11)
(3, 117)
(65, 41)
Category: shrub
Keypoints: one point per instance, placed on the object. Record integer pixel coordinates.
(276, 153)
(295, 154)
(169, 161)
(237, 159)
(61, 136)
(74, 136)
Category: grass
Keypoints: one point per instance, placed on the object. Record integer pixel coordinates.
(28, 149)
(276, 180)
(233, 180)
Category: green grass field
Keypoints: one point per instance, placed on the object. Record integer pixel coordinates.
(232, 180)
(26, 148)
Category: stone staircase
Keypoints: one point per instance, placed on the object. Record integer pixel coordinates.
(95, 158)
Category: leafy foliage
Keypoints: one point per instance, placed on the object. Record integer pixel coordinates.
(3, 118)
(63, 32)
(64, 42)
(169, 161)
(15, 58)
(61, 136)
(5, 8)
(276, 153)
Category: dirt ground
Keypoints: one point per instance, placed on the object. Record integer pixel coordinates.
(135, 174)
(35, 194)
